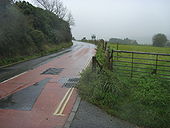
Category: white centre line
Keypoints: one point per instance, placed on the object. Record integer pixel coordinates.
(14, 77)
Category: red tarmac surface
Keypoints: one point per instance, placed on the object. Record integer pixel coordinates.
(41, 115)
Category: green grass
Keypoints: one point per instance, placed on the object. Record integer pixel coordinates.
(49, 49)
(142, 48)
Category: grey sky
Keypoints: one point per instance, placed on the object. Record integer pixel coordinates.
(136, 19)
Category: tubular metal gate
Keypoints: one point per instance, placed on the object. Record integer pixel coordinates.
(132, 63)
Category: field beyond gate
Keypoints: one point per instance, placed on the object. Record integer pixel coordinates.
(133, 64)
(137, 60)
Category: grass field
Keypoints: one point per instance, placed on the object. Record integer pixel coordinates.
(141, 48)
(149, 60)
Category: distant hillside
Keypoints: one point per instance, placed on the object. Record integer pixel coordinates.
(26, 30)
(124, 41)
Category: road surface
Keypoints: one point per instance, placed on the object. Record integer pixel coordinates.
(40, 93)
(8, 72)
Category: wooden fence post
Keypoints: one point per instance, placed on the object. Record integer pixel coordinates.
(108, 59)
(111, 61)
(94, 63)
(132, 65)
(102, 42)
(156, 64)
(105, 48)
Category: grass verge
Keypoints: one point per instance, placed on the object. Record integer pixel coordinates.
(49, 50)
(144, 101)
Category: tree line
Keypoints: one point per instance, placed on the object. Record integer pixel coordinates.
(123, 41)
(26, 30)
(158, 40)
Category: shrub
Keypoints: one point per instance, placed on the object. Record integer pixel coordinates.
(159, 40)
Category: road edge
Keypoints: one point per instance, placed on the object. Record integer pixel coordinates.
(36, 57)
(73, 113)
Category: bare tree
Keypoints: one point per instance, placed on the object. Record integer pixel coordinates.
(55, 6)
(59, 9)
(46, 4)
(13, 1)
(70, 19)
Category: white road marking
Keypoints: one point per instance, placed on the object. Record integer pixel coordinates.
(14, 77)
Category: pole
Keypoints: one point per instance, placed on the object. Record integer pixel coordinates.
(93, 63)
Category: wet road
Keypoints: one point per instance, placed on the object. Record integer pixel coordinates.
(42, 96)
(8, 72)
(24, 99)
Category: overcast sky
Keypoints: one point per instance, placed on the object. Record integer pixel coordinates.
(135, 19)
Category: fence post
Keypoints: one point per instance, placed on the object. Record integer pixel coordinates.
(108, 59)
(111, 60)
(105, 46)
(132, 65)
(102, 41)
(94, 63)
(156, 68)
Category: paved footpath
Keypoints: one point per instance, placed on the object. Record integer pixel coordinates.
(43, 97)
(90, 116)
